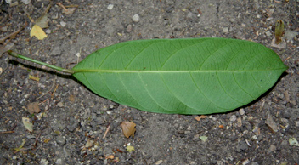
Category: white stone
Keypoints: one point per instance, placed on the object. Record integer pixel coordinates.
(225, 29)
(242, 111)
(258, 16)
(26, 1)
(110, 6)
(232, 118)
(44, 162)
(62, 23)
(135, 17)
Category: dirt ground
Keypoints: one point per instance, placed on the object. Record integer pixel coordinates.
(72, 123)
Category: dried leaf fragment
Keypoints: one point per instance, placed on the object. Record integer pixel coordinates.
(130, 148)
(72, 98)
(34, 78)
(279, 31)
(33, 107)
(71, 10)
(37, 31)
(109, 157)
(46, 140)
(159, 162)
(89, 143)
(42, 21)
(128, 128)
(271, 124)
(27, 123)
(203, 138)
(197, 118)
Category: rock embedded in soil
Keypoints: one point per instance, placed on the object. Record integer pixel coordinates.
(60, 140)
(271, 123)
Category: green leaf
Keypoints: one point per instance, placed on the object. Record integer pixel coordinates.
(183, 76)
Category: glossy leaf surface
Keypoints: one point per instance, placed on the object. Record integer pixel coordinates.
(183, 76)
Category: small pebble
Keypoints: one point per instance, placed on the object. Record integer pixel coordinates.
(48, 31)
(59, 161)
(26, 1)
(239, 122)
(62, 23)
(225, 29)
(242, 146)
(232, 118)
(60, 140)
(110, 6)
(44, 162)
(270, 12)
(158, 162)
(135, 17)
(129, 28)
(214, 118)
(55, 16)
(89, 143)
(30, 137)
(285, 121)
(187, 132)
(242, 111)
(60, 104)
(1, 70)
(196, 137)
(272, 148)
(258, 16)
(268, 33)
(297, 123)
(293, 142)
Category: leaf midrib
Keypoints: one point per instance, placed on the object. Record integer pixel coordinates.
(173, 71)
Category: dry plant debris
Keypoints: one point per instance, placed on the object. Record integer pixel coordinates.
(128, 128)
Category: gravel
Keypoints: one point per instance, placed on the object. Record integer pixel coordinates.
(71, 115)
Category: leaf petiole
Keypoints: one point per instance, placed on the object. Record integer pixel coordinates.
(12, 53)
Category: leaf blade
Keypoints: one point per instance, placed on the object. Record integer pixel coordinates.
(185, 76)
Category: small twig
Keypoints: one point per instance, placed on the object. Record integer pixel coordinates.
(11, 35)
(106, 132)
(7, 132)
